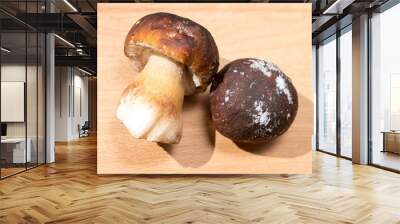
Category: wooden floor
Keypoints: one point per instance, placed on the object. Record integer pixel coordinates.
(387, 159)
(69, 191)
(10, 171)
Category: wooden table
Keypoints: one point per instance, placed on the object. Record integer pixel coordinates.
(391, 141)
(13, 150)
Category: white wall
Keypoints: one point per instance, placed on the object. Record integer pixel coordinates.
(62, 82)
(50, 94)
(70, 84)
(80, 109)
(34, 125)
(12, 73)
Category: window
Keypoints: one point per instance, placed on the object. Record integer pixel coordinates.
(346, 92)
(335, 74)
(327, 95)
(22, 76)
(385, 89)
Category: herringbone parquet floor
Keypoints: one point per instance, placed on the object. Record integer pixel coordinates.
(69, 191)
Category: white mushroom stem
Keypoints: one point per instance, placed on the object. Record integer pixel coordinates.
(151, 106)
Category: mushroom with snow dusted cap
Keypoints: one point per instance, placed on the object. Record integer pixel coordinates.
(252, 101)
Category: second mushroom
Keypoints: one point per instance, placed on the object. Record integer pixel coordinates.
(175, 57)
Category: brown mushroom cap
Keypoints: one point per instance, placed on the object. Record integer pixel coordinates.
(178, 38)
(252, 101)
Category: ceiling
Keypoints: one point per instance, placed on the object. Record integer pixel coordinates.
(76, 21)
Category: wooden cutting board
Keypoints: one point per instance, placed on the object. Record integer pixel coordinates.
(280, 33)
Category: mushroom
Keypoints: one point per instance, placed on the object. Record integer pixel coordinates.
(175, 57)
(252, 101)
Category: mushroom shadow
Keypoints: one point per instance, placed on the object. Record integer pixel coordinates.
(294, 142)
(198, 138)
(258, 148)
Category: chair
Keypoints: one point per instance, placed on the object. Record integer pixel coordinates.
(84, 130)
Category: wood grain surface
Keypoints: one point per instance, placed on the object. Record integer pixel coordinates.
(280, 33)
